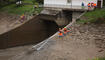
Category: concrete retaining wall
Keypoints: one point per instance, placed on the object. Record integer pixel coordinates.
(33, 31)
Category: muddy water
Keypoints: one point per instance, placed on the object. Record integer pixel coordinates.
(32, 32)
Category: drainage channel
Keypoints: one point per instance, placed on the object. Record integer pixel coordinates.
(32, 32)
(35, 30)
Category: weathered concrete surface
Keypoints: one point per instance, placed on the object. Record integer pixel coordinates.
(49, 14)
(61, 17)
(64, 18)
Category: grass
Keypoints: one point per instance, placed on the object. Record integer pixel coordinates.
(93, 16)
(28, 1)
(98, 59)
(13, 9)
(98, 13)
(101, 58)
(16, 10)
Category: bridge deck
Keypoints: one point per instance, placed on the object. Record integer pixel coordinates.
(68, 7)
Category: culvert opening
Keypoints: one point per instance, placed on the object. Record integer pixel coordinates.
(68, 15)
(51, 26)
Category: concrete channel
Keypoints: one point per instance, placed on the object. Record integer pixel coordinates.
(32, 32)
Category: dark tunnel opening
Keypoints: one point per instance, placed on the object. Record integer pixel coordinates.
(68, 15)
(52, 27)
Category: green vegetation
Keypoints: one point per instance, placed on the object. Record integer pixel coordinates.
(99, 59)
(14, 9)
(5, 2)
(19, 10)
(94, 16)
(104, 2)
(39, 1)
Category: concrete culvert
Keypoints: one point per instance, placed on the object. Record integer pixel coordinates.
(61, 17)
(31, 31)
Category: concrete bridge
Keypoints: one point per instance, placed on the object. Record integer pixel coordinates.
(44, 25)
(61, 16)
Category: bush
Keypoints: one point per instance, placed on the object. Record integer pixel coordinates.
(104, 2)
(39, 1)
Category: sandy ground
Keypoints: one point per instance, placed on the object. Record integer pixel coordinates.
(83, 43)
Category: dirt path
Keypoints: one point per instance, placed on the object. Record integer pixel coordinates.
(83, 43)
